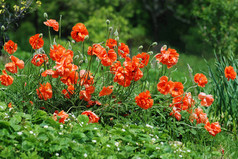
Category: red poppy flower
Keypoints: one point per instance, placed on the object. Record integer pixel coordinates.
(95, 50)
(10, 47)
(144, 100)
(92, 103)
(200, 79)
(213, 128)
(177, 89)
(206, 100)
(123, 50)
(164, 86)
(39, 59)
(65, 66)
(144, 59)
(79, 31)
(199, 116)
(86, 77)
(68, 92)
(106, 91)
(168, 57)
(12, 66)
(52, 23)
(44, 91)
(54, 74)
(93, 118)
(230, 73)
(63, 116)
(72, 78)
(175, 112)
(9, 105)
(36, 41)
(108, 58)
(111, 43)
(83, 94)
(6, 79)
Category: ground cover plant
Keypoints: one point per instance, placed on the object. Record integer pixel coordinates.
(99, 100)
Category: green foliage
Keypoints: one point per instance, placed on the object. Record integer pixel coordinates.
(218, 24)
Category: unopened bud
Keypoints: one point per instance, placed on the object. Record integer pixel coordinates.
(54, 43)
(110, 29)
(73, 41)
(150, 52)
(116, 33)
(70, 47)
(3, 28)
(86, 37)
(140, 47)
(107, 48)
(154, 44)
(76, 57)
(41, 35)
(117, 38)
(108, 21)
(41, 70)
(163, 48)
(46, 15)
(81, 61)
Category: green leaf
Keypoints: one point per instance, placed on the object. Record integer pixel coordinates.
(83, 118)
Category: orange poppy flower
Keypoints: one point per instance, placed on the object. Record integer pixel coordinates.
(95, 50)
(63, 116)
(86, 77)
(52, 23)
(164, 86)
(175, 112)
(70, 90)
(168, 57)
(200, 79)
(111, 43)
(183, 102)
(177, 89)
(92, 103)
(54, 74)
(106, 91)
(108, 58)
(206, 100)
(65, 66)
(144, 59)
(93, 118)
(36, 41)
(123, 50)
(9, 105)
(11, 67)
(83, 94)
(72, 78)
(6, 79)
(144, 100)
(199, 116)
(213, 128)
(79, 31)
(230, 73)
(10, 47)
(39, 59)
(115, 66)
(44, 91)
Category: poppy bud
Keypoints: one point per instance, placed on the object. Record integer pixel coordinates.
(116, 33)
(107, 48)
(41, 35)
(163, 48)
(110, 29)
(150, 52)
(45, 15)
(3, 28)
(86, 37)
(117, 38)
(81, 61)
(154, 44)
(108, 21)
(70, 47)
(76, 57)
(73, 41)
(54, 43)
(41, 70)
(140, 47)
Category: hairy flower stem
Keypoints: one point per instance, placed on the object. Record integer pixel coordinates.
(60, 28)
(49, 35)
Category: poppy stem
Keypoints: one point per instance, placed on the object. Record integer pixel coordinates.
(49, 35)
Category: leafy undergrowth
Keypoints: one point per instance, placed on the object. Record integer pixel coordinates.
(39, 136)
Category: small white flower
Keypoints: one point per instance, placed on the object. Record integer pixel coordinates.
(123, 130)
(137, 143)
(180, 156)
(151, 134)
(82, 123)
(149, 126)
(174, 151)
(108, 146)
(95, 128)
(118, 149)
(153, 139)
(61, 126)
(74, 141)
(157, 148)
(1, 107)
(161, 143)
(19, 133)
(31, 132)
(116, 144)
(60, 133)
(94, 141)
(57, 154)
(73, 116)
(46, 126)
(180, 150)
(175, 145)
(85, 155)
(188, 150)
